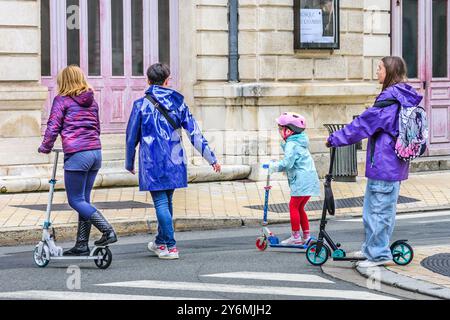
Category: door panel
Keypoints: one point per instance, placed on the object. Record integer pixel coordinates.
(431, 77)
(113, 41)
(438, 76)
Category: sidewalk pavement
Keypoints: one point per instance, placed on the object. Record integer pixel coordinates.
(428, 273)
(216, 205)
(202, 206)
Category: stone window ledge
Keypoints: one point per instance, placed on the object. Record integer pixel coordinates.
(313, 90)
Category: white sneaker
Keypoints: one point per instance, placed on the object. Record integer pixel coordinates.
(156, 248)
(371, 264)
(169, 254)
(291, 241)
(359, 255)
(306, 240)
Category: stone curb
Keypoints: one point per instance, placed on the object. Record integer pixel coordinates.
(397, 280)
(67, 232)
(28, 235)
(114, 179)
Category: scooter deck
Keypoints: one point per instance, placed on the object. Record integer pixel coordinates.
(76, 258)
(289, 246)
(349, 259)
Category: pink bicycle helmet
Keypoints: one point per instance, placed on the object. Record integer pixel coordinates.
(293, 121)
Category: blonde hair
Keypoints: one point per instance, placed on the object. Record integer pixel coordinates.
(72, 81)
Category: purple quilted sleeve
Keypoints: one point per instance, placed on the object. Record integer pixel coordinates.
(371, 121)
(54, 125)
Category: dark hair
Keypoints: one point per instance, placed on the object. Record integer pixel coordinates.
(396, 71)
(158, 73)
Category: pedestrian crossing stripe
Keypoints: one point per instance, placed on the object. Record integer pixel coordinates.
(80, 295)
(245, 289)
(407, 216)
(206, 287)
(270, 276)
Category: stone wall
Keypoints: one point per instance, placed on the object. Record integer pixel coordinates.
(326, 86)
(237, 118)
(21, 96)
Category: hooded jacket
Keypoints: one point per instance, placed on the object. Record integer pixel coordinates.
(162, 158)
(299, 166)
(77, 120)
(381, 126)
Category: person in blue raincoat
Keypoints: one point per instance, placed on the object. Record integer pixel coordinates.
(162, 159)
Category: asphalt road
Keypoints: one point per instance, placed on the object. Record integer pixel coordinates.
(220, 264)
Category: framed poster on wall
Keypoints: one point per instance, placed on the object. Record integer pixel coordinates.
(316, 24)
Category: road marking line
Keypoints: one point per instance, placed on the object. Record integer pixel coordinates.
(272, 276)
(408, 216)
(432, 221)
(78, 295)
(263, 290)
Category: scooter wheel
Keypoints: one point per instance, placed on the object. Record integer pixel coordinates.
(41, 260)
(321, 258)
(402, 253)
(105, 257)
(261, 243)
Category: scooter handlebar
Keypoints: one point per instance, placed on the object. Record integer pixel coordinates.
(265, 166)
(57, 150)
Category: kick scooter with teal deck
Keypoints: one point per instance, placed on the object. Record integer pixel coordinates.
(47, 249)
(268, 239)
(319, 252)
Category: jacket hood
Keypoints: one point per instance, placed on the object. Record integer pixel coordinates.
(301, 139)
(166, 97)
(86, 99)
(403, 93)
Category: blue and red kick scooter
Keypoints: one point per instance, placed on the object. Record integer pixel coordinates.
(268, 239)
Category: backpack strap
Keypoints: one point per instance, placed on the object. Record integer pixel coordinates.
(163, 111)
(380, 104)
(385, 103)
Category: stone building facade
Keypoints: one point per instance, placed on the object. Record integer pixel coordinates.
(326, 86)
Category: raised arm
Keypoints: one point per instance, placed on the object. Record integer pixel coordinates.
(133, 137)
(290, 156)
(367, 124)
(54, 125)
(195, 135)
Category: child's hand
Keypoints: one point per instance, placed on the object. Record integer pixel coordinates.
(273, 166)
(327, 144)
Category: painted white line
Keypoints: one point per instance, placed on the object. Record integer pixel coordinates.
(78, 295)
(262, 290)
(432, 221)
(271, 276)
(409, 216)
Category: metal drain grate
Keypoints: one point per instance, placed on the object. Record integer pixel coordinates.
(318, 205)
(99, 205)
(439, 263)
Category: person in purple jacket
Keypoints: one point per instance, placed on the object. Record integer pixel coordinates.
(75, 116)
(384, 169)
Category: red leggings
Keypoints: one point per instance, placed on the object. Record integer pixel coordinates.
(298, 213)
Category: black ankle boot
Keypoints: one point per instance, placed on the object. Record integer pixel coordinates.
(82, 245)
(80, 249)
(109, 236)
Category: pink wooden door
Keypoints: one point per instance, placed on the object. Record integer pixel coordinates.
(420, 32)
(113, 41)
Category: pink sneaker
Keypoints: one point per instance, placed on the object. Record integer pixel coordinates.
(170, 254)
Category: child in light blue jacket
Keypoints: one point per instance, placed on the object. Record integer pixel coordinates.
(301, 172)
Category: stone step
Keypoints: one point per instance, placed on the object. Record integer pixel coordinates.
(112, 174)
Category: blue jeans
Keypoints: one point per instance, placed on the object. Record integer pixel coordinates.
(164, 213)
(380, 208)
(80, 171)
